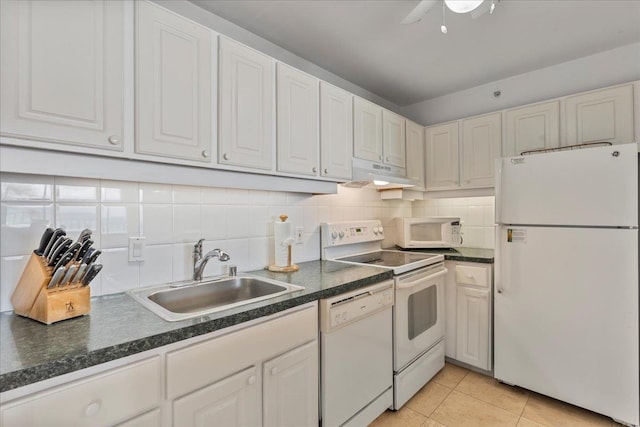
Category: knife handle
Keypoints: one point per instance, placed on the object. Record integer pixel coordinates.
(44, 241)
(91, 273)
(67, 277)
(55, 278)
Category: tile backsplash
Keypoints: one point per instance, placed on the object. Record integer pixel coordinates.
(171, 218)
(476, 216)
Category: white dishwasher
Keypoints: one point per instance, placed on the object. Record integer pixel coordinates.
(356, 355)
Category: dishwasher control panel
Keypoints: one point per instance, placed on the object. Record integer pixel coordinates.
(353, 306)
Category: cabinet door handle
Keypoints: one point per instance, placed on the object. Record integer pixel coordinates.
(205, 154)
(275, 371)
(326, 171)
(226, 156)
(251, 380)
(315, 169)
(379, 157)
(114, 140)
(93, 408)
(387, 159)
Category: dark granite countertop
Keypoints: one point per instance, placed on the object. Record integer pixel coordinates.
(481, 255)
(118, 326)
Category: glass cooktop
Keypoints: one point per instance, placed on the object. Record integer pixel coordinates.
(389, 258)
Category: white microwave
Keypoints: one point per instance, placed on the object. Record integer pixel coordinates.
(429, 232)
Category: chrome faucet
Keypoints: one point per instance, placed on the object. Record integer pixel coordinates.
(199, 262)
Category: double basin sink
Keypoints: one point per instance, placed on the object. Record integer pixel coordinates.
(185, 300)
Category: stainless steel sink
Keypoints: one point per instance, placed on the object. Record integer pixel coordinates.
(184, 300)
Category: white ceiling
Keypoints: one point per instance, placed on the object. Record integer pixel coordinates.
(364, 42)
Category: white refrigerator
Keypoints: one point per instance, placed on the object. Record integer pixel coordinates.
(566, 282)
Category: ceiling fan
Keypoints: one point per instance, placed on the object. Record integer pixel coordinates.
(477, 8)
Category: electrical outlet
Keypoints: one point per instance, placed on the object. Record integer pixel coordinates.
(299, 235)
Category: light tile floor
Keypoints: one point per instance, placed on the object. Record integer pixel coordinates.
(459, 397)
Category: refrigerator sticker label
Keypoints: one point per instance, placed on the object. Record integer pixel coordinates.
(516, 235)
(517, 160)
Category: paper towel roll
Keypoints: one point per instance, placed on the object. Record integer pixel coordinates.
(282, 231)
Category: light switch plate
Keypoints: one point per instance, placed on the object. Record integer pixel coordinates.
(136, 249)
(299, 237)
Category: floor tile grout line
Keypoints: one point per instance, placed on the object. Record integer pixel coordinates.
(488, 403)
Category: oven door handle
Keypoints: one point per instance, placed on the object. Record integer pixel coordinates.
(406, 285)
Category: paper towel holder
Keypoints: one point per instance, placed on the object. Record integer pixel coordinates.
(289, 268)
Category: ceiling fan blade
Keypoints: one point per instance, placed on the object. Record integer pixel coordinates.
(419, 11)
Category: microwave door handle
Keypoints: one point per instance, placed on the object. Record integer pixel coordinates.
(411, 284)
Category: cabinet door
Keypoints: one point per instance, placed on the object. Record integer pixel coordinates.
(442, 156)
(173, 83)
(415, 154)
(234, 401)
(481, 145)
(473, 327)
(291, 388)
(245, 106)
(62, 71)
(336, 132)
(603, 115)
(367, 130)
(393, 139)
(532, 128)
(298, 121)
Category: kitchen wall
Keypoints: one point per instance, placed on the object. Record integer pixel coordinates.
(172, 218)
(476, 215)
(606, 68)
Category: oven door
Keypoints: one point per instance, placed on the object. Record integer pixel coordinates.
(418, 313)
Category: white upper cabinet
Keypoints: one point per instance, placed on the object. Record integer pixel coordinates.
(336, 132)
(367, 130)
(245, 106)
(393, 139)
(481, 145)
(602, 115)
(533, 127)
(62, 71)
(415, 154)
(173, 85)
(442, 156)
(298, 121)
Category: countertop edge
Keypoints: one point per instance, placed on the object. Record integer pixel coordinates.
(75, 362)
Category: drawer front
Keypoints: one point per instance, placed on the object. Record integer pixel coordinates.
(103, 399)
(150, 419)
(222, 356)
(476, 276)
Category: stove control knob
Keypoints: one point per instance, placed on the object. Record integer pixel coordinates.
(334, 234)
(341, 234)
(380, 230)
(375, 230)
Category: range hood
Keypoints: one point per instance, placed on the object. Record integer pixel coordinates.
(368, 174)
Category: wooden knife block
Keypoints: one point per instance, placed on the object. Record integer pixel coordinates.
(32, 299)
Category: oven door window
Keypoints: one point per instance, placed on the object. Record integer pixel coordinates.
(422, 311)
(426, 232)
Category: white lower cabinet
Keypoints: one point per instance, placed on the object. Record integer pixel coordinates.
(473, 327)
(291, 388)
(150, 419)
(265, 374)
(262, 374)
(107, 398)
(233, 401)
(468, 313)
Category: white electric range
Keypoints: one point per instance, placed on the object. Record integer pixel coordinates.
(418, 312)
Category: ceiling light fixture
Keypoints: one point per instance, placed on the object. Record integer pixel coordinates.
(462, 6)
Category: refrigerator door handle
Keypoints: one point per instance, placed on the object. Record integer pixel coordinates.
(498, 182)
(497, 277)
